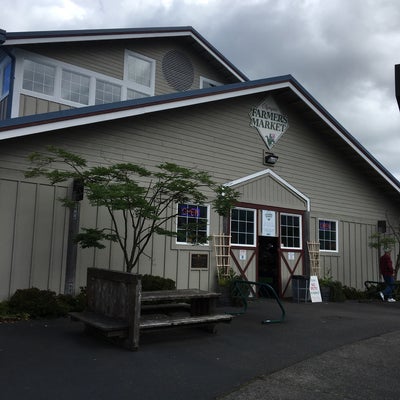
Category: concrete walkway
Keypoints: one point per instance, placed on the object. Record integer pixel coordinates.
(322, 351)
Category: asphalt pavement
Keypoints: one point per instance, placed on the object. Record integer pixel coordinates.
(321, 351)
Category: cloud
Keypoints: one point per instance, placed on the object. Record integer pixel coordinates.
(343, 52)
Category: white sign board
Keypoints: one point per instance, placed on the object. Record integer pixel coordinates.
(242, 255)
(268, 223)
(315, 292)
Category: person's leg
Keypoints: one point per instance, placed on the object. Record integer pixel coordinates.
(388, 291)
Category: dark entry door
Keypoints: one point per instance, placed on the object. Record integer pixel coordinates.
(268, 261)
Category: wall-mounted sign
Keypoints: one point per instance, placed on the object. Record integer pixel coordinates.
(268, 223)
(243, 255)
(269, 121)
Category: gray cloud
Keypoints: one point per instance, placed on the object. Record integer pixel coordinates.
(343, 52)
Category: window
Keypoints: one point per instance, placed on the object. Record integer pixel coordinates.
(75, 87)
(243, 226)
(134, 94)
(192, 224)
(39, 77)
(208, 83)
(107, 92)
(139, 74)
(328, 235)
(291, 231)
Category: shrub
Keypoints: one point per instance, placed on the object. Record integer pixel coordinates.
(354, 294)
(151, 283)
(37, 303)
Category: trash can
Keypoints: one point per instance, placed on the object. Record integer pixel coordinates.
(300, 288)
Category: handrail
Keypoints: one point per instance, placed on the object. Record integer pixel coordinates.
(270, 289)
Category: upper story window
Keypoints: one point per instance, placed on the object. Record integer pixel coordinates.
(243, 226)
(192, 224)
(67, 84)
(39, 77)
(75, 87)
(207, 83)
(140, 73)
(291, 231)
(328, 235)
(107, 92)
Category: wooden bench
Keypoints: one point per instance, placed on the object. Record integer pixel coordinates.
(115, 302)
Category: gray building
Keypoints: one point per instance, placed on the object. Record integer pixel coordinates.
(166, 94)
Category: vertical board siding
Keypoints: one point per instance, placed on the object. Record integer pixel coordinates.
(33, 237)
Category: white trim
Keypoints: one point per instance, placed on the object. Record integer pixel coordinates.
(148, 90)
(255, 213)
(337, 235)
(60, 66)
(300, 233)
(207, 243)
(282, 181)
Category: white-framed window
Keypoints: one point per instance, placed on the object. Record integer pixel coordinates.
(243, 226)
(75, 87)
(291, 231)
(39, 77)
(107, 92)
(139, 74)
(207, 83)
(192, 224)
(68, 84)
(328, 235)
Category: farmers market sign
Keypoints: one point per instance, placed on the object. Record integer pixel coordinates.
(269, 121)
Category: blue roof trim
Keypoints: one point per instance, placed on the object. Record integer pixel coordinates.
(80, 112)
(38, 119)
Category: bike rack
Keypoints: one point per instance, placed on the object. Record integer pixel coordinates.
(270, 289)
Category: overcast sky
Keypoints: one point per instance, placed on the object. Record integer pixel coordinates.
(342, 51)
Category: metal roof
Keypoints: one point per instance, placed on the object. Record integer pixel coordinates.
(286, 88)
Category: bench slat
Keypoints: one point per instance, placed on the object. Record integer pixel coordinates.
(196, 320)
(100, 321)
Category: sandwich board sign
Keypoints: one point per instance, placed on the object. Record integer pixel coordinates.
(315, 292)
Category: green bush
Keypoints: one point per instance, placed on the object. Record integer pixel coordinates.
(354, 294)
(37, 303)
(151, 283)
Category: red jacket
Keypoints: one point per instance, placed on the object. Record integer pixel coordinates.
(386, 265)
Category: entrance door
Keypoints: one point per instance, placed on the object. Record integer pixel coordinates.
(268, 261)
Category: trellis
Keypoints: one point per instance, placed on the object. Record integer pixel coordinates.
(313, 253)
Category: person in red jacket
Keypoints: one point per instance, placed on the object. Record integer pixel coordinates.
(387, 271)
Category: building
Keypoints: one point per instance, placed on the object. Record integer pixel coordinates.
(166, 94)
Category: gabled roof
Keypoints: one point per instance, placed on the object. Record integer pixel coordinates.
(188, 32)
(285, 87)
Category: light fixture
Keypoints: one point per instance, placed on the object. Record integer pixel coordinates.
(270, 158)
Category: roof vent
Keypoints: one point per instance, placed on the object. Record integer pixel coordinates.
(178, 70)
